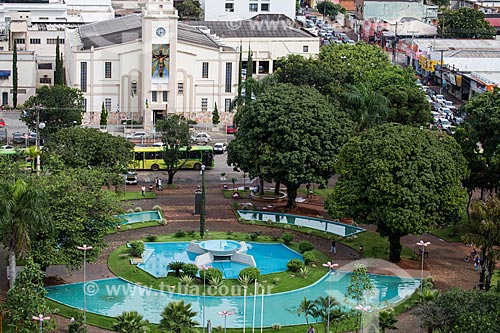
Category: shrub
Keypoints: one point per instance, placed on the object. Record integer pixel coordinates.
(295, 265)
(276, 327)
(179, 234)
(157, 207)
(210, 273)
(163, 222)
(215, 281)
(244, 280)
(191, 233)
(309, 257)
(175, 266)
(189, 269)
(305, 271)
(151, 238)
(253, 236)
(287, 237)
(136, 248)
(305, 246)
(251, 272)
(137, 209)
(229, 233)
(186, 280)
(130, 211)
(276, 280)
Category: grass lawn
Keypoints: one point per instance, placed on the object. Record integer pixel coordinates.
(137, 195)
(119, 264)
(446, 234)
(244, 194)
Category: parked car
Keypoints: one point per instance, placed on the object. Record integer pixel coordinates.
(444, 124)
(131, 178)
(138, 136)
(449, 105)
(435, 106)
(230, 129)
(201, 137)
(428, 99)
(219, 148)
(18, 137)
(2, 122)
(445, 111)
(439, 98)
(343, 36)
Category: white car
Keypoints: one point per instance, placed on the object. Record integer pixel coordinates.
(138, 136)
(439, 99)
(444, 124)
(449, 105)
(201, 137)
(219, 148)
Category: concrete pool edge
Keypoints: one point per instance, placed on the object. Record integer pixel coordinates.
(322, 220)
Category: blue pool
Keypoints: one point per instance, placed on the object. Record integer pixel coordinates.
(150, 215)
(110, 297)
(332, 227)
(270, 258)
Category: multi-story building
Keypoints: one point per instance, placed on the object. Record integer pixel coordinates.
(236, 10)
(142, 67)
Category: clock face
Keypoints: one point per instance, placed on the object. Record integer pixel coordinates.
(160, 32)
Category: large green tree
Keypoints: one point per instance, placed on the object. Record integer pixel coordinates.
(57, 107)
(330, 8)
(400, 178)
(59, 72)
(88, 148)
(479, 138)
(465, 23)
(25, 300)
(174, 131)
(483, 230)
(23, 214)
(289, 134)
(82, 213)
(459, 311)
(177, 317)
(189, 9)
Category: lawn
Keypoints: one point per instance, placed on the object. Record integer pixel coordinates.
(119, 264)
(137, 195)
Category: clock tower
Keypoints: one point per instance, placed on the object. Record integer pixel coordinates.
(159, 49)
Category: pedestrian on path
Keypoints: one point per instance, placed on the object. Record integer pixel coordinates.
(143, 190)
(333, 249)
(209, 326)
(477, 263)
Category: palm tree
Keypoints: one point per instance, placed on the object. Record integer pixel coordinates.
(366, 107)
(130, 322)
(307, 308)
(484, 231)
(177, 317)
(23, 213)
(325, 306)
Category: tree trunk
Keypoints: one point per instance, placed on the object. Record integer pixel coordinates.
(277, 188)
(395, 248)
(261, 189)
(490, 269)
(469, 199)
(12, 267)
(292, 194)
(170, 179)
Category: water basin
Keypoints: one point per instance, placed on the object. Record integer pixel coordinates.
(220, 247)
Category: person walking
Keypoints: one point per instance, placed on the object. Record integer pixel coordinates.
(333, 249)
(143, 190)
(209, 326)
(311, 329)
(477, 263)
(160, 185)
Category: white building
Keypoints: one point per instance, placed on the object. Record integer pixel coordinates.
(235, 10)
(142, 67)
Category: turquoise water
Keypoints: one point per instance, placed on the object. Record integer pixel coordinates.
(150, 215)
(269, 258)
(111, 297)
(333, 227)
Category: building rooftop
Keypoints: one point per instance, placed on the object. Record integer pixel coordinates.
(260, 26)
(129, 28)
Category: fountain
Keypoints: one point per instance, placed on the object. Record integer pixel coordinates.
(220, 250)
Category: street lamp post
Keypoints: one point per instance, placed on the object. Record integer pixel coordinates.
(39, 126)
(423, 245)
(203, 202)
(84, 248)
(225, 313)
(330, 266)
(362, 309)
(41, 319)
(203, 269)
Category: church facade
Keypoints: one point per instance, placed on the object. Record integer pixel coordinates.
(143, 66)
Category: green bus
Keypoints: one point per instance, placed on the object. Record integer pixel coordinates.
(151, 158)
